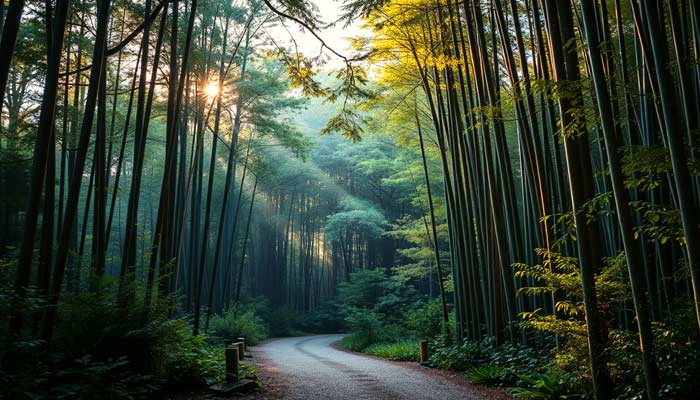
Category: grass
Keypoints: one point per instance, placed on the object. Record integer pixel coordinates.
(354, 343)
(399, 351)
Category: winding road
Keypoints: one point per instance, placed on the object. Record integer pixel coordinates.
(312, 368)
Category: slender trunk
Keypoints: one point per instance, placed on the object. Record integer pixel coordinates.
(74, 191)
(45, 136)
(239, 276)
(579, 171)
(128, 266)
(433, 224)
(8, 40)
(624, 216)
(673, 129)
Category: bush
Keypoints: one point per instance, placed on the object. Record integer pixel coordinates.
(427, 321)
(86, 379)
(548, 386)
(354, 343)
(518, 359)
(400, 351)
(513, 360)
(678, 359)
(236, 323)
(81, 378)
(327, 318)
(680, 364)
(195, 363)
(282, 322)
(460, 356)
(95, 324)
(373, 290)
(491, 375)
(365, 325)
(104, 350)
(363, 289)
(375, 308)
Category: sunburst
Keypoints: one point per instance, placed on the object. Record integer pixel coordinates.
(212, 89)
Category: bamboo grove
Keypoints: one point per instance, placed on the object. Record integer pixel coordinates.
(173, 100)
(567, 136)
(167, 169)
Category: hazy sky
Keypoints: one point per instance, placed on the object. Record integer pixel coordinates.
(334, 37)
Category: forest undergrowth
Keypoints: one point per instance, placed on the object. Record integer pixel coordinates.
(386, 321)
(107, 349)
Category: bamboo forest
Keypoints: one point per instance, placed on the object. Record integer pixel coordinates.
(349, 199)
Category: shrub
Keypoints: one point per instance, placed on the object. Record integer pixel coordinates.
(372, 289)
(460, 356)
(95, 324)
(195, 363)
(80, 378)
(427, 320)
(518, 359)
(548, 386)
(85, 378)
(678, 359)
(282, 322)
(104, 350)
(365, 325)
(364, 289)
(404, 350)
(512, 359)
(354, 343)
(327, 318)
(236, 323)
(491, 375)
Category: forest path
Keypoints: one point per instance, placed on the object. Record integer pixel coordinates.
(309, 367)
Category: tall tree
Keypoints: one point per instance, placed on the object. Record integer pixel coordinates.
(45, 134)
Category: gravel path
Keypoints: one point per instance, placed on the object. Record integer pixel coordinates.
(309, 367)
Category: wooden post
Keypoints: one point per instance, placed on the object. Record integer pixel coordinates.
(242, 340)
(424, 352)
(241, 350)
(232, 364)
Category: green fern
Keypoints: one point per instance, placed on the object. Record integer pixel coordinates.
(548, 386)
(490, 375)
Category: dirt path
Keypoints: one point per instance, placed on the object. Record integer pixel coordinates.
(310, 367)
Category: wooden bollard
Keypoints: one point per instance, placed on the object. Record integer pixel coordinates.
(424, 352)
(242, 340)
(241, 349)
(232, 364)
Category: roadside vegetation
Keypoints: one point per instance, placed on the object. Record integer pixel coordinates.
(102, 350)
(388, 320)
